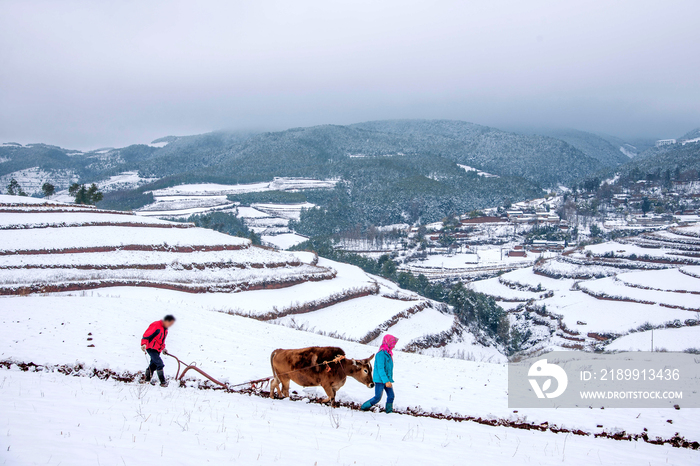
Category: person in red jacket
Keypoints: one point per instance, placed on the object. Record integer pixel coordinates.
(153, 343)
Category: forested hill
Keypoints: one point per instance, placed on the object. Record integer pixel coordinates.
(679, 160)
(393, 171)
(540, 159)
(319, 151)
(597, 147)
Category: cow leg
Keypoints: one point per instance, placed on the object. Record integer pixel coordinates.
(330, 394)
(275, 387)
(285, 387)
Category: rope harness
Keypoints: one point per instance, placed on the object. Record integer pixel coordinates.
(255, 384)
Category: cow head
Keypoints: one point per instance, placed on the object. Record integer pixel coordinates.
(361, 370)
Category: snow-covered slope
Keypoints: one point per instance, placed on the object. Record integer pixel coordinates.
(50, 247)
(81, 419)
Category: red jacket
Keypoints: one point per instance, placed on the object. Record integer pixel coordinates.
(155, 336)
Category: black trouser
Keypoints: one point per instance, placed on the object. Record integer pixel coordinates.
(156, 361)
(156, 365)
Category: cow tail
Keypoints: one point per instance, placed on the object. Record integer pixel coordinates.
(272, 364)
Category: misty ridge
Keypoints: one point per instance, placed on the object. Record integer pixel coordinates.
(391, 171)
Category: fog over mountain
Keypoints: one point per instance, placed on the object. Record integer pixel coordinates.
(84, 74)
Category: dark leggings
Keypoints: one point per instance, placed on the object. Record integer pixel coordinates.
(156, 361)
(379, 391)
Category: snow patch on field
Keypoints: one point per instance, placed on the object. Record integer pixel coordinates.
(669, 339)
(124, 181)
(467, 168)
(284, 241)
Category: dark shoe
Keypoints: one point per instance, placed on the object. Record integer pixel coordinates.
(365, 406)
(161, 377)
(389, 408)
(147, 376)
(164, 384)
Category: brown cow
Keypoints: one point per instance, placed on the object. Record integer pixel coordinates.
(306, 367)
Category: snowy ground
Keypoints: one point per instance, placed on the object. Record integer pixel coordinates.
(80, 420)
(668, 339)
(85, 422)
(284, 241)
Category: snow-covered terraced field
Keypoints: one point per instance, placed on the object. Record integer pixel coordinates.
(46, 219)
(526, 278)
(278, 184)
(498, 290)
(115, 254)
(604, 292)
(287, 211)
(233, 278)
(418, 326)
(178, 204)
(268, 220)
(59, 239)
(122, 258)
(663, 280)
(354, 317)
(692, 231)
(616, 289)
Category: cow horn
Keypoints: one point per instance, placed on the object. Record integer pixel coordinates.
(354, 362)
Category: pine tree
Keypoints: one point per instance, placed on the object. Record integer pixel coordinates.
(48, 189)
(14, 188)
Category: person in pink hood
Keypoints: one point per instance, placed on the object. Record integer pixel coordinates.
(383, 375)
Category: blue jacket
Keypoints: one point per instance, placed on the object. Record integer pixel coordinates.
(383, 368)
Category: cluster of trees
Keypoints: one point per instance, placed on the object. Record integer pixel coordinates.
(82, 194)
(550, 233)
(14, 188)
(476, 310)
(85, 195)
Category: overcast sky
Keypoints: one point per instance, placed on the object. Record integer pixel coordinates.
(87, 74)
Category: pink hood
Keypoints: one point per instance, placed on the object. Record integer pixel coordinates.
(388, 344)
